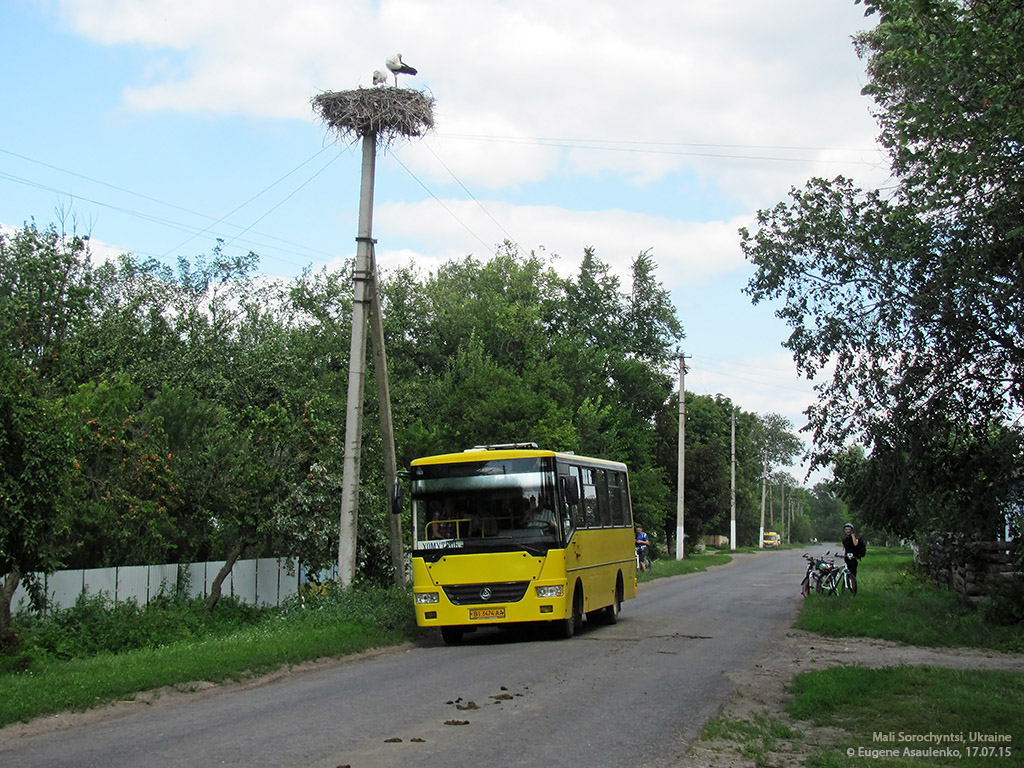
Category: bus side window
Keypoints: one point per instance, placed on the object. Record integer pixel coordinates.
(615, 498)
(627, 503)
(601, 479)
(591, 517)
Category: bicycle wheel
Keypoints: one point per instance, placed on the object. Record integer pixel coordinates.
(805, 586)
(851, 583)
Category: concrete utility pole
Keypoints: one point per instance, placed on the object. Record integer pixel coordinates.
(363, 277)
(732, 522)
(764, 493)
(681, 473)
(782, 506)
(375, 115)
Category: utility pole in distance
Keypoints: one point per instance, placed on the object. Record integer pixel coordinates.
(681, 473)
(732, 522)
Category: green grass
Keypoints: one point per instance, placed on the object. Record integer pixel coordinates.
(894, 602)
(908, 705)
(42, 682)
(756, 738)
(664, 567)
(860, 704)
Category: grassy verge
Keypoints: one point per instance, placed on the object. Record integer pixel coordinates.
(894, 603)
(912, 716)
(756, 738)
(897, 716)
(664, 567)
(333, 625)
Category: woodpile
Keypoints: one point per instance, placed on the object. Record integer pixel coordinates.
(972, 568)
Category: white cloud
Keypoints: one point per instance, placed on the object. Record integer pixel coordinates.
(687, 252)
(760, 72)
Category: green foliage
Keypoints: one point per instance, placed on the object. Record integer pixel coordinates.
(35, 467)
(935, 476)
(45, 287)
(828, 512)
(205, 408)
(95, 624)
(1004, 606)
(800, 529)
(911, 297)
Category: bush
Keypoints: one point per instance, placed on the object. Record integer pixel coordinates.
(95, 624)
(1005, 604)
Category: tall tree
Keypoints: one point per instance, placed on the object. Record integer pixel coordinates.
(914, 295)
(35, 462)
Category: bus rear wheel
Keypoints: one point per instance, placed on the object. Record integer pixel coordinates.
(611, 613)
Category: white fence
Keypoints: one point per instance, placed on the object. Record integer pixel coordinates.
(266, 581)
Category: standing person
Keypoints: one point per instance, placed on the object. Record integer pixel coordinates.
(642, 541)
(851, 548)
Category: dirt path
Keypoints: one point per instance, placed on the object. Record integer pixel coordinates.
(762, 687)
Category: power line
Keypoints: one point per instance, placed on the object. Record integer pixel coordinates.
(651, 148)
(193, 230)
(466, 190)
(258, 194)
(446, 208)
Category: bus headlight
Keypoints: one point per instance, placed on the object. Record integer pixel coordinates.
(424, 598)
(555, 591)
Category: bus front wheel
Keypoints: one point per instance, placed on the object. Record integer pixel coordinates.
(566, 628)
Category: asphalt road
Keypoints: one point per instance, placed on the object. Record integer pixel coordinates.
(633, 694)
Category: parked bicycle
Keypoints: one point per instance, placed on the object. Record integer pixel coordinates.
(825, 575)
(817, 569)
(840, 579)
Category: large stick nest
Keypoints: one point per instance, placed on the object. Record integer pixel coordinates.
(387, 112)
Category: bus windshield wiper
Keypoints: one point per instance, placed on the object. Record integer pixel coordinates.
(538, 551)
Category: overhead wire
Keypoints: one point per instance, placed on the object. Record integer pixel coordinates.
(254, 197)
(611, 145)
(171, 223)
(466, 190)
(441, 203)
(644, 147)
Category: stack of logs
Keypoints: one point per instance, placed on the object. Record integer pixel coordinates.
(972, 568)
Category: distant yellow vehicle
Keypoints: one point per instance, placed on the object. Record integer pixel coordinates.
(771, 540)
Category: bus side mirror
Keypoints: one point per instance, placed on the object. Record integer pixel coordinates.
(397, 499)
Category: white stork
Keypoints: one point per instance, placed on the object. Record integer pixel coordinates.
(399, 67)
(379, 78)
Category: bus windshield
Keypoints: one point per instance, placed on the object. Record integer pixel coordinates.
(485, 505)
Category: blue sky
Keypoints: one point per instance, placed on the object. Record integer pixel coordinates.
(162, 125)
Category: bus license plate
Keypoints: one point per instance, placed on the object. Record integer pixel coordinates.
(475, 614)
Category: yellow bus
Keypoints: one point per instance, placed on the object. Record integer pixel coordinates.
(504, 534)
